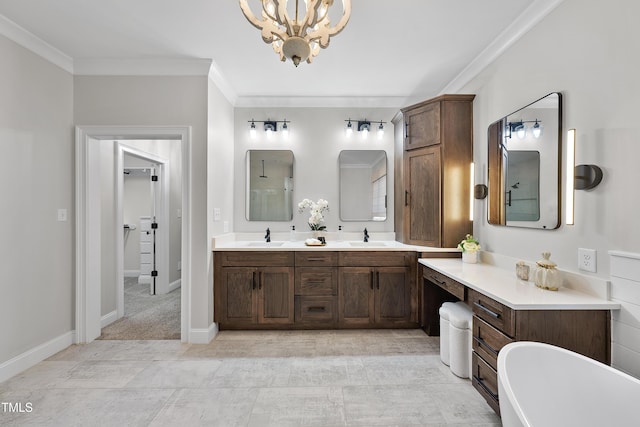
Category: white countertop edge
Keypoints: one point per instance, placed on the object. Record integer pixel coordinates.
(246, 242)
(503, 286)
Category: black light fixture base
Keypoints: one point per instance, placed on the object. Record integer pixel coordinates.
(587, 177)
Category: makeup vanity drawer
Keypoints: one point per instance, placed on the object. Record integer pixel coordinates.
(497, 315)
(455, 288)
(485, 380)
(488, 341)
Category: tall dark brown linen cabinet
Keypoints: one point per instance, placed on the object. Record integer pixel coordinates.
(435, 173)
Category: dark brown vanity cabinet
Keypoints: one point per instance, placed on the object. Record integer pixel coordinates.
(377, 289)
(435, 173)
(316, 289)
(254, 289)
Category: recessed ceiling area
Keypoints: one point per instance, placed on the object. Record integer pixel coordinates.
(399, 50)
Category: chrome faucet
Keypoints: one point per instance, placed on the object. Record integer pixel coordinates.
(366, 235)
(267, 237)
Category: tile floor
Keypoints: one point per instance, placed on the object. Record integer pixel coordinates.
(249, 378)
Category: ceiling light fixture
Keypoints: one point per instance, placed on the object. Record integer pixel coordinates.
(297, 39)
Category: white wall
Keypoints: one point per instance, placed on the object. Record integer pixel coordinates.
(316, 138)
(158, 101)
(587, 59)
(220, 173)
(587, 51)
(36, 179)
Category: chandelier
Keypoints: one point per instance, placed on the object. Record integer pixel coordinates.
(297, 39)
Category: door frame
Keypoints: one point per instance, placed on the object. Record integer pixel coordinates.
(87, 204)
(161, 207)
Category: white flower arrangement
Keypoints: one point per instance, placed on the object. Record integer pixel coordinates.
(469, 244)
(316, 209)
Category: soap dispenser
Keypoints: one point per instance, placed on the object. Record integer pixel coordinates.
(547, 275)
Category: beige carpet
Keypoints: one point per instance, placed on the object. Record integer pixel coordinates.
(146, 317)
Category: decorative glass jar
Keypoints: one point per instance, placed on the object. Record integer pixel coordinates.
(547, 275)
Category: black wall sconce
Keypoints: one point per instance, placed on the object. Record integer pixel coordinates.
(364, 126)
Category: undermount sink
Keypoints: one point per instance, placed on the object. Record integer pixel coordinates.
(265, 244)
(370, 243)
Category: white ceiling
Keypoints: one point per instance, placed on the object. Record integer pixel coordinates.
(397, 50)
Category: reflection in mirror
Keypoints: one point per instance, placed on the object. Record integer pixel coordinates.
(524, 166)
(363, 185)
(269, 194)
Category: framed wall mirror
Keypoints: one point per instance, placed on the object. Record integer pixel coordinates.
(363, 185)
(524, 166)
(269, 194)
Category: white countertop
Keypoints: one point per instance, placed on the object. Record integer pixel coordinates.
(299, 245)
(349, 241)
(503, 286)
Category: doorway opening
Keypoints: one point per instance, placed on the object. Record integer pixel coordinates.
(94, 303)
(148, 227)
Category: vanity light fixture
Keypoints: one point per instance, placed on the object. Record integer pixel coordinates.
(570, 176)
(380, 130)
(364, 126)
(270, 126)
(471, 190)
(349, 129)
(520, 128)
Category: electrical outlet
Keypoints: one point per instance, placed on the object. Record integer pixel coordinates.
(62, 214)
(217, 214)
(587, 260)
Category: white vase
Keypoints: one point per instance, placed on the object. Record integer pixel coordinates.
(470, 257)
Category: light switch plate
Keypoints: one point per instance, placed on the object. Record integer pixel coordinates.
(587, 260)
(62, 214)
(217, 214)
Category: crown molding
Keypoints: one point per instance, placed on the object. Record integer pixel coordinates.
(24, 38)
(142, 67)
(321, 101)
(528, 19)
(218, 79)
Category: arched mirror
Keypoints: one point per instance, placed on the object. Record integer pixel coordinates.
(269, 195)
(524, 166)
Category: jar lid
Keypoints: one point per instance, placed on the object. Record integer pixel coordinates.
(546, 262)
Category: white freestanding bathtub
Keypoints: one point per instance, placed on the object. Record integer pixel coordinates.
(541, 385)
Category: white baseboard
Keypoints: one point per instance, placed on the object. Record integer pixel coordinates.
(203, 336)
(175, 285)
(131, 273)
(32, 357)
(108, 318)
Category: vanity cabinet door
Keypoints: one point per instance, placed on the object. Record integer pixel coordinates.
(392, 295)
(276, 295)
(422, 126)
(250, 296)
(422, 197)
(236, 303)
(355, 296)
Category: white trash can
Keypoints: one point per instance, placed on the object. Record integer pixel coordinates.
(445, 313)
(460, 321)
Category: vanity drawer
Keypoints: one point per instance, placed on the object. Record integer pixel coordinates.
(316, 310)
(497, 315)
(316, 259)
(488, 341)
(485, 380)
(445, 282)
(376, 259)
(256, 259)
(316, 281)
